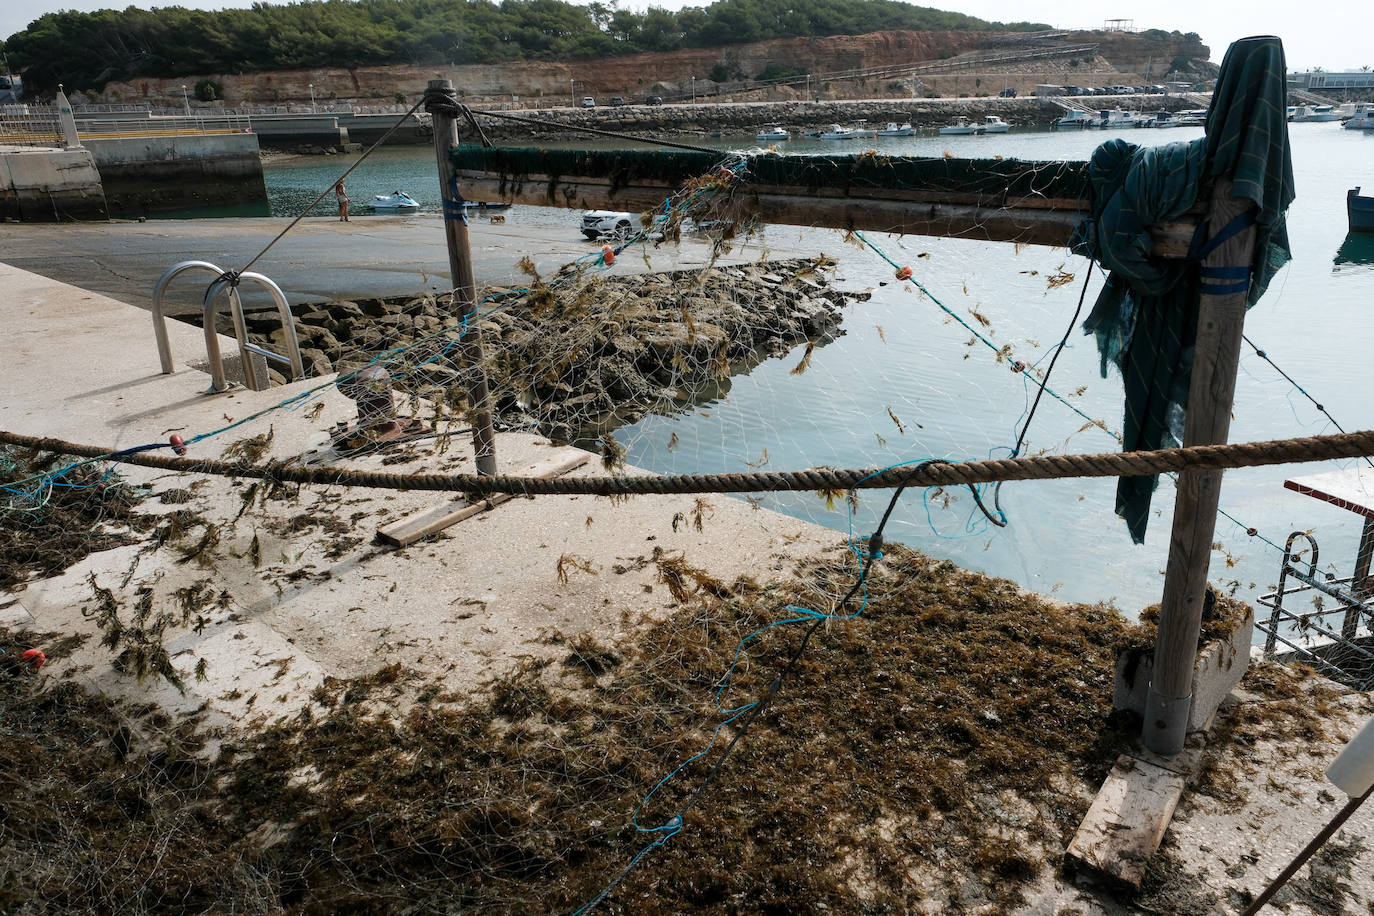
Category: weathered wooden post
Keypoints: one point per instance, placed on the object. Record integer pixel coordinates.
(442, 103)
(1221, 320)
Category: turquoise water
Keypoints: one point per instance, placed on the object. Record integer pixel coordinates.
(905, 382)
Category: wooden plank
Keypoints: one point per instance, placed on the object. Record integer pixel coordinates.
(426, 522)
(1126, 821)
(1039, 221)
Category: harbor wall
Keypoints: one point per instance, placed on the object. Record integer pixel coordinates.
(50, 185)
(144, 175)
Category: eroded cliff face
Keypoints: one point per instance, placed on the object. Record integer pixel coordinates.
(638, 76)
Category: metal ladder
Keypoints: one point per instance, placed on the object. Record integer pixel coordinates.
(225, 284)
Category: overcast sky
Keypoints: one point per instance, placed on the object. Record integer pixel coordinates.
(1332, 34)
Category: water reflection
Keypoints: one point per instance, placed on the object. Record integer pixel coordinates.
(1355, 254)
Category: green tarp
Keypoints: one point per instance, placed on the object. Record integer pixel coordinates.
(1145, 319)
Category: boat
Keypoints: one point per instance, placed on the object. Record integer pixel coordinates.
(962, 125)
(400, 201)
(1192, 117)
(1163, 119)
(1115, 118)
(1359, 211)
(893, 129)
(1074, 119)
(836, 132)
(994, 125)
(774, 134)
(1356, 252)
(1304, 113)
(1362, 119)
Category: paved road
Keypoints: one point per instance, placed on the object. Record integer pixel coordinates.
(320, 259)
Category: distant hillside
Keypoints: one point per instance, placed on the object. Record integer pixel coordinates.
(87, 50)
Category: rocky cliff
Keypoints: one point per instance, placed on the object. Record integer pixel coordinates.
(639, 76)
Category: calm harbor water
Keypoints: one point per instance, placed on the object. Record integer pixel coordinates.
(905, 382)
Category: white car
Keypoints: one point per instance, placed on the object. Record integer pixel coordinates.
(599, 224)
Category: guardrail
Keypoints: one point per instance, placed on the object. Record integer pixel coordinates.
(31, 127)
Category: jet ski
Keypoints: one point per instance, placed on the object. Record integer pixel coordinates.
(398, 201)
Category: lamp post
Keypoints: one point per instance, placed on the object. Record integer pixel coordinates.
(694, 90)
(572, 91)
(313, 110)
(187, 99)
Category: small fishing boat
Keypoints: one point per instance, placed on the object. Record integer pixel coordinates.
(1192, 117)
(961, 125)
(836, 132)
(774, 134)
(1163, 119)
(893, 129)
(1359, 211)
(994, 125)
(1115, 118)
(1074, 119)
(398, 202)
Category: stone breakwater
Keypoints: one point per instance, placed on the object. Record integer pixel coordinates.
(687, 120)
(576, 360)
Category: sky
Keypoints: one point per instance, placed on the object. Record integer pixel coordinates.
(1331, 34)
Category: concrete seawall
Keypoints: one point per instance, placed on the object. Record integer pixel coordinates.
(144, 175)
(50, 185)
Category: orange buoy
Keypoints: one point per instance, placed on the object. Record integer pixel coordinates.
(608, 255)
(904, 273)
(178, 444)
(35, 657)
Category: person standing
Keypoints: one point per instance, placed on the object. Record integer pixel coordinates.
(342, 195)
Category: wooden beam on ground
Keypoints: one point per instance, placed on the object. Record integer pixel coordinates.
(426, 522)
(1028, 220)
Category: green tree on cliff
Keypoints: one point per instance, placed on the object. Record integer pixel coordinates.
(87, 50)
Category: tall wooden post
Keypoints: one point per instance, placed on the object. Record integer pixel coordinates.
(442, 103)
(1221, 320)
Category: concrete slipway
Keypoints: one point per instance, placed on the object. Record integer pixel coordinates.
(81, 366)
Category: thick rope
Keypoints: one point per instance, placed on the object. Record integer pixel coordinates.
(1044, 467)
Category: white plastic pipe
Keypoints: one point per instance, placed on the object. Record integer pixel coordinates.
(1353, 769)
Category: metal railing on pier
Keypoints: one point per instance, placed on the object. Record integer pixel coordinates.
(24, 125)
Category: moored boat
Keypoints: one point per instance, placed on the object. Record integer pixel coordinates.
(1359, 211)
(836, 132)
(1362, 119)
(1304, 113)
(992, 124)
(1074, 119)
(893, 129)
(961, 125)
(774, 134)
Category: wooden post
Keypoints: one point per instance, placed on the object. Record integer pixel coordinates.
(1221, 320)
(442, 103)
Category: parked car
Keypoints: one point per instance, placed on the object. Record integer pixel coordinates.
(598, 224)
(1008, 93)
(617, 102)
(588, 102)
(655, 100)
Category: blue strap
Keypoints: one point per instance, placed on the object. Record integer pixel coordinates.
(1199, 249)
(1240, 275)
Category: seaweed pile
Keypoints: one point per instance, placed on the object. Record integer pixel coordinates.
(45, 528)
(940, 748)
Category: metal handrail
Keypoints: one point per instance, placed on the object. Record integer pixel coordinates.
(212, 350)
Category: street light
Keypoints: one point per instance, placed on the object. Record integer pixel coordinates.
(572, 91)
(312, 98)
(694, 90)
(187, 99)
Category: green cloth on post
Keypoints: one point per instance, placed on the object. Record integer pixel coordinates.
(1145, 319)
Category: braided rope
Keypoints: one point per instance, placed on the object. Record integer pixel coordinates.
(1045, 467)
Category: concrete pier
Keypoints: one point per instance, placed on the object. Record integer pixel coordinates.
(143, 175)
(49, 185)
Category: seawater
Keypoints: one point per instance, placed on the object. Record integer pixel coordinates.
(904, 382)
